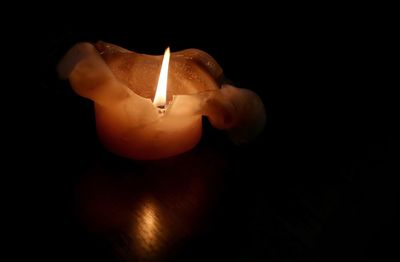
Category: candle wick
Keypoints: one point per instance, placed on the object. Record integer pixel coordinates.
(161, 109)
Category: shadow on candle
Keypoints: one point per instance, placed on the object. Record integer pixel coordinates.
(148, 209)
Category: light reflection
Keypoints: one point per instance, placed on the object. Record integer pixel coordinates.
(146, 231)
(147, 210)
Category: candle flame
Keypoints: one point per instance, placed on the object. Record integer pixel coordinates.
(160, 98)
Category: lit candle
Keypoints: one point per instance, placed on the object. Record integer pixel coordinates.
(129, 123)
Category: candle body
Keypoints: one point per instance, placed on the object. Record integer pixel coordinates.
(168, 135)
(121, 82)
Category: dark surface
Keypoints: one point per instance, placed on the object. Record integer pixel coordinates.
(318, 185)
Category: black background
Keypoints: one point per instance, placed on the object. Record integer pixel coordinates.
(318, 184)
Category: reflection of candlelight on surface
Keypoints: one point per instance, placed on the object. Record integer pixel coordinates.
(147, 209)
(147, 227)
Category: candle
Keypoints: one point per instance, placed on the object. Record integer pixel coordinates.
(150, 107)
